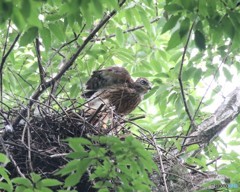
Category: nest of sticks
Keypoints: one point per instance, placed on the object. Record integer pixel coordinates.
(38, 143)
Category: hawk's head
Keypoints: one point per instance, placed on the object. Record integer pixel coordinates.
(142, 85)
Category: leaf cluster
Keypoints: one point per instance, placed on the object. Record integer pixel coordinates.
(111, 163)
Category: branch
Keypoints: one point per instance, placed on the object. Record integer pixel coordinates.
(180, 77)
(40, 67)
(6, 39)
(8, 52)
(159, 154)
(211, 127)
(126, 31)
(66, 66)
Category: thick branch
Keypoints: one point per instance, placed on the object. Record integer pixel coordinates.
(211, 127)
(65, 67)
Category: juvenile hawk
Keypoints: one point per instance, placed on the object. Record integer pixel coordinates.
(115, 88)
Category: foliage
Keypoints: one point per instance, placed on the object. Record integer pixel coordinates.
(149, 38)
(5, 183)
(35, 183)
(113, 164)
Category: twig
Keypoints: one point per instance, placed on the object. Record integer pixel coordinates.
(28, 145)
(159, 153)
(177, 136)
(6, 39)
(180, 77)
(211, 162)
(214, 77)
(136, 118)
(66, 66)
(59, 105)
(156, 7)
(8, 52)
(57, 51)
(96, 112)
(40, 67)
(22, 78)
(11, 158)
(126, 31)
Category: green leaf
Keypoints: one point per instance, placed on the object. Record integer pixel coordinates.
(22, 181)
(3, 158)
(25, 8)
(184, 27)
(200, 40)
(197, 76)
(72, 180)
(171, 23)
(173, 8)
(28, 36)
(35, 177)
(174, 41)
(6, 187)
(145, 21)
(228, 27)
(18, 19)
(50, 182)
(58, 30)
(69, 167)
(4, 174)
(46, 37)
(193, 147)
(227, 74)
(119, 36)
(98, 8)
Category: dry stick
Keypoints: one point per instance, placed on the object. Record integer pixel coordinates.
(40, 67)
(11, 158)
(96, 112)
(159, 153)
(28, 145)
(59, 105)
(65, 67)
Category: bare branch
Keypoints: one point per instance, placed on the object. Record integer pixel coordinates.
(180, 77)
(40, 67)
(8, 52)
(211, 127)
(126, 31)
(159, 154)
(6, 39)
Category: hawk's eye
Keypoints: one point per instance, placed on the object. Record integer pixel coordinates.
(143, 82)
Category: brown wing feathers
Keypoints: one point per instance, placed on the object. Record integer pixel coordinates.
(114, 87)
